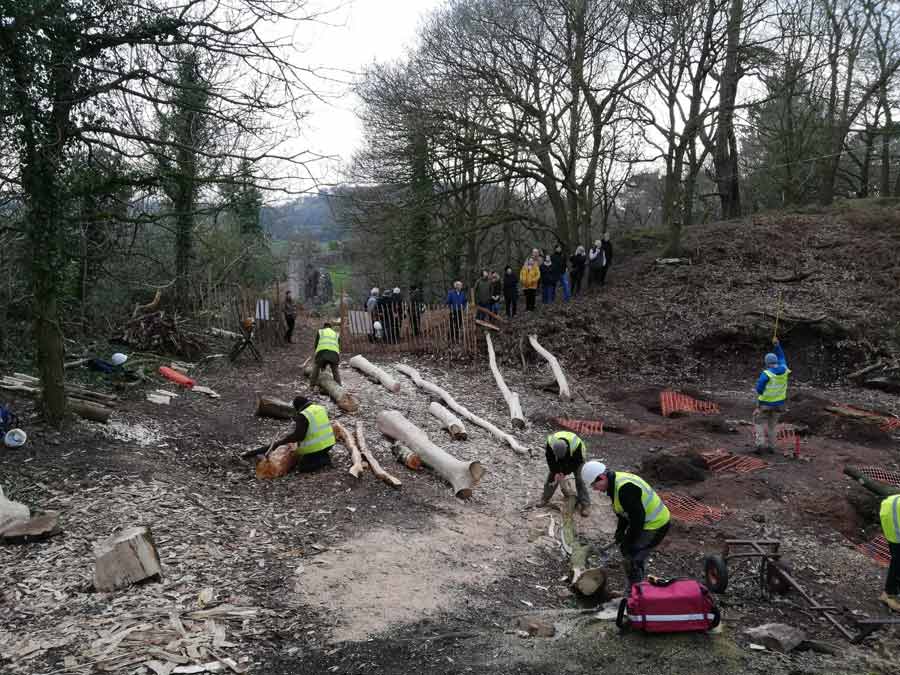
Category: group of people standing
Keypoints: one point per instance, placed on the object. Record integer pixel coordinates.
(548, 272)
(387, 311)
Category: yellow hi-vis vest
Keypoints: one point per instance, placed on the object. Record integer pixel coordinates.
(890, 518)
(575, 443)
(776, 387)
(656, 514)
(328, 341)
(319, 434)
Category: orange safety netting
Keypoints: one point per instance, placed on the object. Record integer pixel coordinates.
(722, 461)
(689, 510)
(890, 424)
(881, 475)
(671, 402)
(878, 550)
(586, 427)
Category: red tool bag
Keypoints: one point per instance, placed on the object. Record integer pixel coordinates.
(668, 606)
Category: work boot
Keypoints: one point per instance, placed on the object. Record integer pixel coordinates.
(584, 510)
(892, 601)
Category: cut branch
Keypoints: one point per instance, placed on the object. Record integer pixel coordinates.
(345, 437)
(511, 397)
(564, 391)
(462, 476)
(879, 488)
(451, 403)
(370, 458)
(587, 581)
(449, 421)
(366, 367)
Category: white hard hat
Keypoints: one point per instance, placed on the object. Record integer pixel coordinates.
(15, 438)
(396, 290)
(377, 325)
(375, 291)
(118, 359)
(591, 471)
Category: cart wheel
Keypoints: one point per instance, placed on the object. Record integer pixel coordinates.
(717, 617)
(621, 617)
(716, 572)
(776, 583)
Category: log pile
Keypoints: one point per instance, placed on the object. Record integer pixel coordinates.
(159, 332)
(90, 405)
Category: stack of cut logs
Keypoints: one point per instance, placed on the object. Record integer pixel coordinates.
(83, 402)
(158, 333)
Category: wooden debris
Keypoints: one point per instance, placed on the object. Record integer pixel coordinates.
(406, 457)
(124, 559)
(344, 436)
(338, 394)
(373, 463)
(879, 488)
(564, 391)
(37, 528)
(82, 402)
(511, 397)
(587, 581)
(159, 332)
(267, 406)
(366, 367)
(460, 410)
(12, 512)
(449, 421)
(673, 261)
(462, 476)
(277, 463)
(205, 390)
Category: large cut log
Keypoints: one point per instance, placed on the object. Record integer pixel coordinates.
(337, 393)
(451, 403)
(278, 462)
(345, 437)
(585, 580)
(449, 421)
(564, 391)
(366, 367)
(879, 488)
(125, 558)
(462, 476)
(267, 406)
(370, 458)
(89, 410)
(511, 397)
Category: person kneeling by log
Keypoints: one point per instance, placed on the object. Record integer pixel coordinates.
(312, 433)
(328, 351)
(890, 525)
(643, 517)
(566, 453)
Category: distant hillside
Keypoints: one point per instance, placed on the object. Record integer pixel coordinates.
(309, 215)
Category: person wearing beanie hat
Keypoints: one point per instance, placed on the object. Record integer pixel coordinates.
(312, 433)
(643, 516)
(566, 453)
(771, 394)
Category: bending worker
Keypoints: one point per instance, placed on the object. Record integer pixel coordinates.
(566, 453)
(771, 388)
(643, 517)
(312, 433)
(890, 525)
(328, 351)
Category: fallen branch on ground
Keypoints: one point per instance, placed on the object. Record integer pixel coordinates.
(879, 488)
(564, 392)
(451, 403)
(511, 397)
(345, 437)
(362, 364)
(370, 458)
(462, 476)
(449, 421)
(587, 581)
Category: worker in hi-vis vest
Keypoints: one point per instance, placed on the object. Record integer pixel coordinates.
(565, 454)
(328, 351)
(771, 392)
(312, 433)
(643, 517)
(890, 525)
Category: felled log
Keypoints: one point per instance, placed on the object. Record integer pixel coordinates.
(277, 463)
(12, 512)
(462, 476)
(486, 325)
(345, 437)
(267, 406)
(366, 367)
(854, 414)
(564, 391)
(370, 458)
(89, 410)
(338, 394)
(125, 558)
(30, 383)
(511, 397)
(879, 488)
(221, 332)
(451, 403)
(449, 421)
(673, 261)
(585, 580)
(37, 528)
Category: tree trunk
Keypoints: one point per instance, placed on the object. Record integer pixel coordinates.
(449, 421)
(362, 364)
(511, 398)
(564, 391)
(266, 406)
(462, 476)
(337, 393)
(451, 403)
(725, 156)
(89, 410)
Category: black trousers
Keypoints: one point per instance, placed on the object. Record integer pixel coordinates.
(576, 281)
(530, 295)
(892, 582)
(289, 333)
(512, 301)
(313, 461)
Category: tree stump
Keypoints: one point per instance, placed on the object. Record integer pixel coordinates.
(125, 558)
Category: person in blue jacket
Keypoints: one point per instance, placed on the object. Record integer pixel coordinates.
(771, 392)
(456, 301)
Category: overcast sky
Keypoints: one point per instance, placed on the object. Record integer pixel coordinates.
(343, 44)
